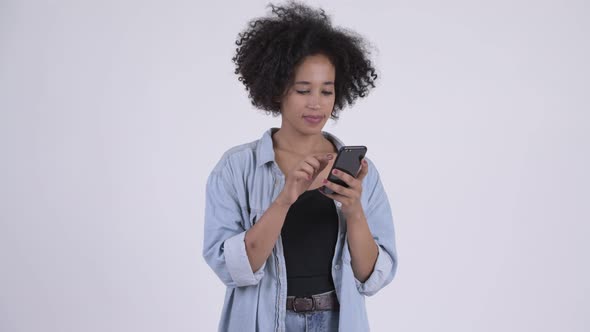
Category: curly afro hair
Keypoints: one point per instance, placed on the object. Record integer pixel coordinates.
(270, 49)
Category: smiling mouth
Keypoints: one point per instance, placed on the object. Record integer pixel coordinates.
(313, 119)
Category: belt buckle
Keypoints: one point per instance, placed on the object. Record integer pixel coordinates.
(303, 298)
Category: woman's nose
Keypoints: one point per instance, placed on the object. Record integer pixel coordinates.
(313, 102)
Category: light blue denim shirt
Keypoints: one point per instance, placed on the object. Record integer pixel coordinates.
(240, 188)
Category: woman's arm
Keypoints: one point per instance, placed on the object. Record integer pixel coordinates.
(362, 246)
(363, 250)
(261, 238)
(371, 237)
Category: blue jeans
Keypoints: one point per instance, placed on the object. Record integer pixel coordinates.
(312, 321)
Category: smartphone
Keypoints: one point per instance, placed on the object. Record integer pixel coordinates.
(348, 160)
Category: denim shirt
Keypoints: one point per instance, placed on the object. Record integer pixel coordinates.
(240, 188)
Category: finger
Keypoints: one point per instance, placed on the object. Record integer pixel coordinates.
(324, 157)
(301, 174)
(308, 169)
(338, 189)
(313, 162)
(332, 196)
(364, 170)
(323, 160)
(349, 180)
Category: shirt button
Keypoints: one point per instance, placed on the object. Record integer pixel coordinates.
(337, 267)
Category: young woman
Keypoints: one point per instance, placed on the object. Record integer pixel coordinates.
(292, 257)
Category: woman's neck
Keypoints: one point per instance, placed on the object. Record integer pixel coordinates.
(285, 140)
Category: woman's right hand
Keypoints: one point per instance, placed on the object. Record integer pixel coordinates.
(300, 178)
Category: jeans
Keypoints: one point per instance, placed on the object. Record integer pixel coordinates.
(312, 321)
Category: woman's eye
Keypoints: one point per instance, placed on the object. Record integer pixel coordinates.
(304, 92)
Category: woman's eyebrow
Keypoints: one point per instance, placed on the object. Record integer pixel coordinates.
(308, 83)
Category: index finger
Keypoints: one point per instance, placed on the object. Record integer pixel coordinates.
(324, 159)
(317, 162)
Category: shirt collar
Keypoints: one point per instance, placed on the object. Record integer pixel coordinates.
(265, 152)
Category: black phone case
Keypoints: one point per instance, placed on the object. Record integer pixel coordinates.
(348, 160)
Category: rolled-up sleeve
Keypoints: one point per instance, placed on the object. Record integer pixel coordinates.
(224, 248)
(378, 278)
(380, 221)
(238, 264)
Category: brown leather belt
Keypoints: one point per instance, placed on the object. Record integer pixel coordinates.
(324, 301)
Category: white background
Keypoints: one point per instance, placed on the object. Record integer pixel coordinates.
(113, 113)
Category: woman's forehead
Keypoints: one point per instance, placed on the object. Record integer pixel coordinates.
(315, 69)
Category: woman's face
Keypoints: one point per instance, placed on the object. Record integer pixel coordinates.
(308, 103)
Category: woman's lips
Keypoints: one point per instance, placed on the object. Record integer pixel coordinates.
(313, 119)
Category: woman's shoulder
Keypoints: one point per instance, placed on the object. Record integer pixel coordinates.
(238, 156)
(247, 155)
(373, 177)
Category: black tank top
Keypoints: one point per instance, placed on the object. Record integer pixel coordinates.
(309, 237)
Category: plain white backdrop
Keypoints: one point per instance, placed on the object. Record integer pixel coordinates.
(113, 113)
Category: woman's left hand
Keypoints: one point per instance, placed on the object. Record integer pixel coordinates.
(350, 197)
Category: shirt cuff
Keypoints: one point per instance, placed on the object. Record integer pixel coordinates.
(237, 262)
(378, 277)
